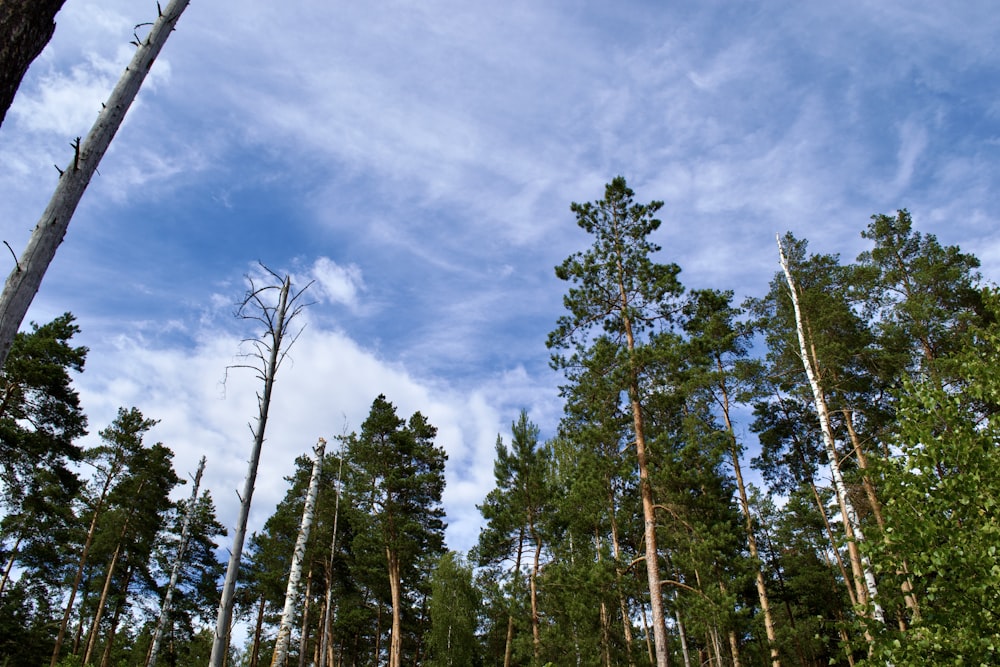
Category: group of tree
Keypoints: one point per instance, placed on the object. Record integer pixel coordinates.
(89, 537)
(631, 536)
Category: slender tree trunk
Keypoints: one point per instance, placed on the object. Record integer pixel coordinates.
(276, 321)
(257, 632)
(765, 606)
(298, 555)
(175, 572)
(95, 625)
(24, 281)
(304, 630)
(682, 634)
(533, 588)
(859, 562)
(509, 645)
(328, 602)
(395, 590)
(26, 26)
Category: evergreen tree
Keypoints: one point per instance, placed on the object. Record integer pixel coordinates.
(395, 474)
(619, 290)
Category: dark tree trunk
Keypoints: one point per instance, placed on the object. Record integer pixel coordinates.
(26, 26)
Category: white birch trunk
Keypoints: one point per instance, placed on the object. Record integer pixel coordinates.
(175, 573)
(298, 555)
(23, 282)
(850, 516)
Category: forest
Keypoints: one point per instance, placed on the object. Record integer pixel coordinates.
(860, 395)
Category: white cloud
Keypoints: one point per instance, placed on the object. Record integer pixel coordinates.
(326, 383)
(335, 283)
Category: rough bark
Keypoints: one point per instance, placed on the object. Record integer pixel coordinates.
(26, 26)
(26, 277)
(298, 555)
(175, 571)
(860, 565)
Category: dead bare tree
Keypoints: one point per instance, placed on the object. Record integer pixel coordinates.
(264, 357)
(26, 277)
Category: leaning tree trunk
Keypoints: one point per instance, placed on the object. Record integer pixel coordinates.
(26, 26)
(298, 555)
(269, 354)
(176, 571)
(847, 508)
(23, 282)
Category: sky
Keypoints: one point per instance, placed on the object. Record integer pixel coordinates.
(416, 162)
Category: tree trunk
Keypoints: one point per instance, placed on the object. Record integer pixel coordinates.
(396, 593)
(859, 562)
(23, 282)
(645, 488)
(304, 630)
(509, 645)
(257, 632)
(328, 602)
(276, 320)
(175, 572)
(536, 640)
(765, 606)
(26, 26)
(298, 555)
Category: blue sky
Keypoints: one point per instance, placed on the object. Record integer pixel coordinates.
(417, 160)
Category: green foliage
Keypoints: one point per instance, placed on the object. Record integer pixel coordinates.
(942, 513)
(455, 610)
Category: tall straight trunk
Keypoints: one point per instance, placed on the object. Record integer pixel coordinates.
(298, 555)
(276, 320)
(859, 563)
(304, 629)
(508, 649)
(328, 602)
(765, 605)
(396, 593)
(175, 571)
(536, 640)
(23, 282)
(646, 494)
(258, 631)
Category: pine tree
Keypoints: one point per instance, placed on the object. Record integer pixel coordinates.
(621, 291)
(395, 474)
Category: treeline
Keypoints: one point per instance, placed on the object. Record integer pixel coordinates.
(630, 537)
